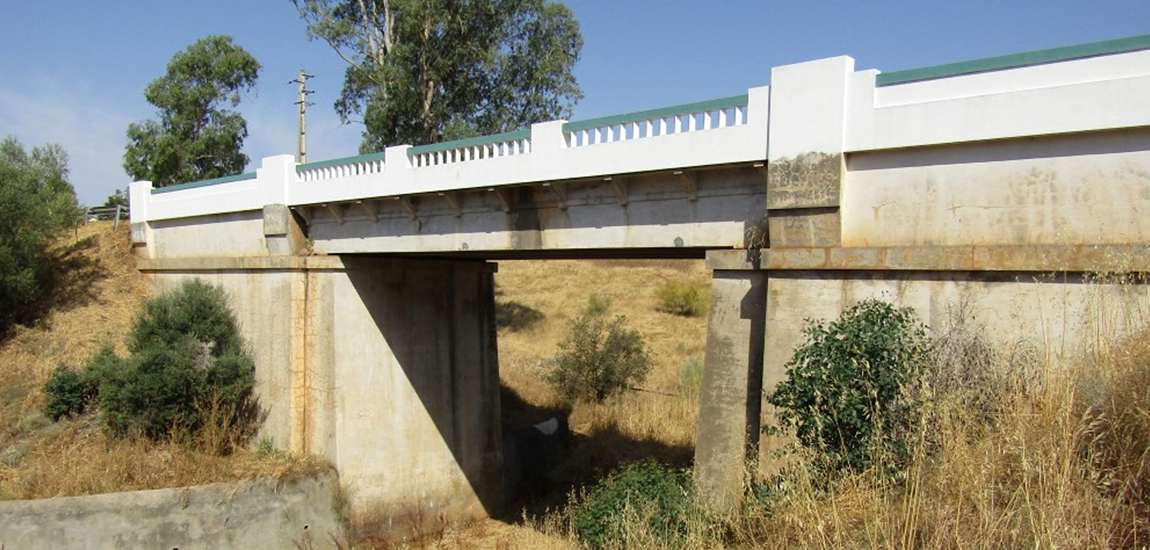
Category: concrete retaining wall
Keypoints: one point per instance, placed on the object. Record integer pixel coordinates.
(385, 367)
(254, 515)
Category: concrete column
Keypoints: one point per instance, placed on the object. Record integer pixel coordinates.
(731, 400)
(416, 422)
(139, 194)
(805, 163)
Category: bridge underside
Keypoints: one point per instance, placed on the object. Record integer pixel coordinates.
(666, 214)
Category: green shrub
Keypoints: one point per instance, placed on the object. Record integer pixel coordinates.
(68, 393)
(682, 297)
(648, 492)
(187, 367)
(691, 377)
(597, 304)
(844, 393)
(598, 358)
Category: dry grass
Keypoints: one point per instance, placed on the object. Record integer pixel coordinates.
(98, 295)
(1023, 453)
(665, 410)
(1020, 452)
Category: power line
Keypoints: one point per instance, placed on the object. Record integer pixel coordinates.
(301, 155)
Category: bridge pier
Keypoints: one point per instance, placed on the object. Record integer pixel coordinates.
(730, 402)
(387, 367)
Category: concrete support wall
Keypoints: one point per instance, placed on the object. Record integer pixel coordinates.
(262, 515)
(416, 385)
(386, 367)
(1058, 316)
(729, 412)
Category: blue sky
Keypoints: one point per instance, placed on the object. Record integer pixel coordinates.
(73, 72)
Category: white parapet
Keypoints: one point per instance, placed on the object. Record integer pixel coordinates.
(822, 106)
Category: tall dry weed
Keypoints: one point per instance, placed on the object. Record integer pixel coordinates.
(1013, 458)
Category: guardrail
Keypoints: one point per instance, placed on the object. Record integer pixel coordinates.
(116, 213)
(342, 167)
(505, 144)
(691, 117)
(678, 119)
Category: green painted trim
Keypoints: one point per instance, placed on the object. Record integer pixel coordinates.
(685, 109)
(339, 162)
(470, 142)
(205, 183)
(1025, 59)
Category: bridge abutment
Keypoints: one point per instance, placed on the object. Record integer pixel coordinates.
(387, 367)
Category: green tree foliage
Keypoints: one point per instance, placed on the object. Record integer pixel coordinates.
(195, 138)
(423, 71)
(118, 198)
(186, 370)
(36, 203)
(844, 393)
(598, 358)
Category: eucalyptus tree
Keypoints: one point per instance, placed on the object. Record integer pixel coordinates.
(421, 71)
(196, 136)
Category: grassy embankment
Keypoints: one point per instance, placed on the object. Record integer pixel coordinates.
(98, 296)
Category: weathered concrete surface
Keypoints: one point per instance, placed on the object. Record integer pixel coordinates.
(1068, 189)
(1048, 258)
(626, 212)
(810, 180)
(804, 228)
(283, 235)
(1059, 315)
(253, 515)
(237, 234)
(729, 408)
(415, 376)
(386, 367)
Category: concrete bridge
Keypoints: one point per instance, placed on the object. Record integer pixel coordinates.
(364, 284)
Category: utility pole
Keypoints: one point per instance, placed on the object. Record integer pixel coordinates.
(301, 156)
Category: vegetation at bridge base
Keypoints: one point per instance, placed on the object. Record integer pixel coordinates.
(680, 296)
(187, 374)
(644, 504)
(845, 395)
(36, 205)
(599, 357)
